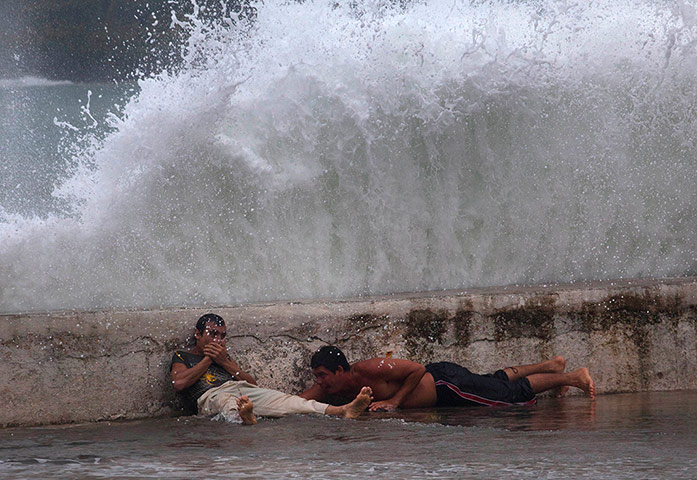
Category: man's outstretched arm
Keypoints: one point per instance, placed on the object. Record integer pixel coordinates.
(405, 373)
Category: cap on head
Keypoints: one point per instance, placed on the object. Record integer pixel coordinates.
(216, 320)
(331, 358)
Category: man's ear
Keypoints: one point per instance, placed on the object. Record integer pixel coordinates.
(339, 369)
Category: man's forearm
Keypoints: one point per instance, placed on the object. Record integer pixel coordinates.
(233, 368)
(186, 378)
(220, 356)
(410, 383)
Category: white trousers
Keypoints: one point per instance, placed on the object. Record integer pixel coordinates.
(267, 403)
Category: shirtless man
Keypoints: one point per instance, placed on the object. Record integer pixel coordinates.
(215, 383)
(397, 383)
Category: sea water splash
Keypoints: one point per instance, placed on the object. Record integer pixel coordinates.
(329, 150)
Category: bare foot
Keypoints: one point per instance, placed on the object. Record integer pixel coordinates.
(561, 391)
(583, 380)
(359, 404)
(245, 408)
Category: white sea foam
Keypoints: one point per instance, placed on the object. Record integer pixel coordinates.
(333, 150)
(31, 81)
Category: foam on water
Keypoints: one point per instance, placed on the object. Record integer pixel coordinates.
(331, 150)
(31, 81)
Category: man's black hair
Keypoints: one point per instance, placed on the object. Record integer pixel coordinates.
(217, 320)
(331, 358)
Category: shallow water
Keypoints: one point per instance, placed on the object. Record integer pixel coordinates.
(644, 435)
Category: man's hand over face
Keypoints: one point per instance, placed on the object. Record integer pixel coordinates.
(216, 351)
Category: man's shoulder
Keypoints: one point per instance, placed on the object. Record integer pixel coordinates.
(187, 358)
(369, 370)
(383, 367)
(367, 364)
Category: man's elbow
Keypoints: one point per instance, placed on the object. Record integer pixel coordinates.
(420, 372)
(178, 385)
(416, 374)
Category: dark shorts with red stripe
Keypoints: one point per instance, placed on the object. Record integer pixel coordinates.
(458, 387)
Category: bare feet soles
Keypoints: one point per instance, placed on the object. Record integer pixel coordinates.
(359, 404)
(246, 410)
(582, 379)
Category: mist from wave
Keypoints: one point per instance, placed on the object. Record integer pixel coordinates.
(329, 150)
(31, 81)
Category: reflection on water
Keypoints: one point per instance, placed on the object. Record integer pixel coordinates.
(648, 435)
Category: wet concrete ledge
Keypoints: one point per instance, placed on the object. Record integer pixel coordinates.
(63, 367)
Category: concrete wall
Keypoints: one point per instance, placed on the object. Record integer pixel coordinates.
(84, 366)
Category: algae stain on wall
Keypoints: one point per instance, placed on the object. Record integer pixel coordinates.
(535, 319)
(429, 331)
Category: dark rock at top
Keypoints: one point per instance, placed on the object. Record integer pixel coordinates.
(96, 40)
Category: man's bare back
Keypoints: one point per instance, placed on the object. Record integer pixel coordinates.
(395, 383)
(389, 378)
(398, 383)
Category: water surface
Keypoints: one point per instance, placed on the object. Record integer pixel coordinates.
(627, 436)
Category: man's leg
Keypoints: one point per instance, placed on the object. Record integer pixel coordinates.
(580, 378)
(273, 403)
(553, 365)
(355, 408)
(456, 386)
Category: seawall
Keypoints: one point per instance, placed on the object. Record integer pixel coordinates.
(63, 367)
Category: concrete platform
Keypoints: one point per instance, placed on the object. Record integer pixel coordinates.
(634, 335)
